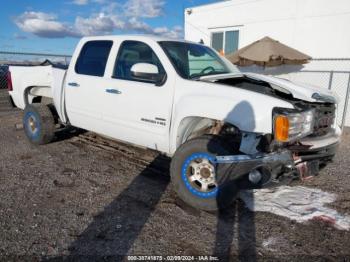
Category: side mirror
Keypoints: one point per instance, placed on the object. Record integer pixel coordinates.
(146, 72)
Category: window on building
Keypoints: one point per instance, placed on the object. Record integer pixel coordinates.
(93, 58)
(131, 53)
(217, 41)
(225, 42)
(231, 41)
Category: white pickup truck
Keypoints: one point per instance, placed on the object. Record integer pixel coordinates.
(223, 129)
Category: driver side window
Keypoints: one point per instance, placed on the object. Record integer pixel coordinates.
(131, 53)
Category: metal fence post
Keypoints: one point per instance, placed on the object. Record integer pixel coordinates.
(346, 104)
(330, 80)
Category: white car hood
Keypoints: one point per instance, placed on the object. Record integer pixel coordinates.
(297, 90)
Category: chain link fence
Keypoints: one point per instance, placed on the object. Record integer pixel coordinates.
(333, 74)
(3, 80)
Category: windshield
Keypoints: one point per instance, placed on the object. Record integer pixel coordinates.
(193, 60)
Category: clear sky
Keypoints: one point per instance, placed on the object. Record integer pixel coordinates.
(55, 26)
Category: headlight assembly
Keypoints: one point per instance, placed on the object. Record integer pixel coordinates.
(290, 126)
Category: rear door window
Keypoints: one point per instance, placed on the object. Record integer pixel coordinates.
(93, 58)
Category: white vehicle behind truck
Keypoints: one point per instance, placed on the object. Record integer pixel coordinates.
(224, 130)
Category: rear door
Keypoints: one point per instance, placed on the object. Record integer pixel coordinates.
(84, 87)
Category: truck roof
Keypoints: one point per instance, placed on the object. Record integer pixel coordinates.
(133, 37)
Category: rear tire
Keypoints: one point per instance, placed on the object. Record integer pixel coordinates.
(201, 151)
(39, 124)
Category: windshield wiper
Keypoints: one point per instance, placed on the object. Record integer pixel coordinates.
(196, 77)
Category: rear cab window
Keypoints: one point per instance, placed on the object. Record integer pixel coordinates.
(93, 58)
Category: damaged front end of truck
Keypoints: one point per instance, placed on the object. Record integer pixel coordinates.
(303, 139)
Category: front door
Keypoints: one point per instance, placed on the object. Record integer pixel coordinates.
(137, 111)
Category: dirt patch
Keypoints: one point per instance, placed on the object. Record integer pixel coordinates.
(86, 200)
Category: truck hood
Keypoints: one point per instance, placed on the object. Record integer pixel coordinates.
(298, 90)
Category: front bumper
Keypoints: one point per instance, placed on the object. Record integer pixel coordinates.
(239, 167)
(317, 143)
(302, 160)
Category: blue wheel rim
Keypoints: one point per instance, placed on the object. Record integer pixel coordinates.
(32, 125)
(189, 186)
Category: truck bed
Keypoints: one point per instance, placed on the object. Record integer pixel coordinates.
(44, 81)
(29, 82)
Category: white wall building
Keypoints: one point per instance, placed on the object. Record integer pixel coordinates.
(319, 28)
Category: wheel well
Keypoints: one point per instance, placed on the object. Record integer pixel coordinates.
(39, 95)
(192, 127)
(37, 100)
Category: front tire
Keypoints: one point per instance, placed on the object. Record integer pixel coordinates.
(193, 172)
(39, 124)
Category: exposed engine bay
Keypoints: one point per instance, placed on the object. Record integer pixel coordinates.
(325, 113)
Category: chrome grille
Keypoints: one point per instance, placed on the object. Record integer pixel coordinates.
(324, 119)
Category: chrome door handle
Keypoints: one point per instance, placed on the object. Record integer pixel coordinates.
(113, 91)
(73, 84)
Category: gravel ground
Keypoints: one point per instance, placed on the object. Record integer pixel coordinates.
(72, 199)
